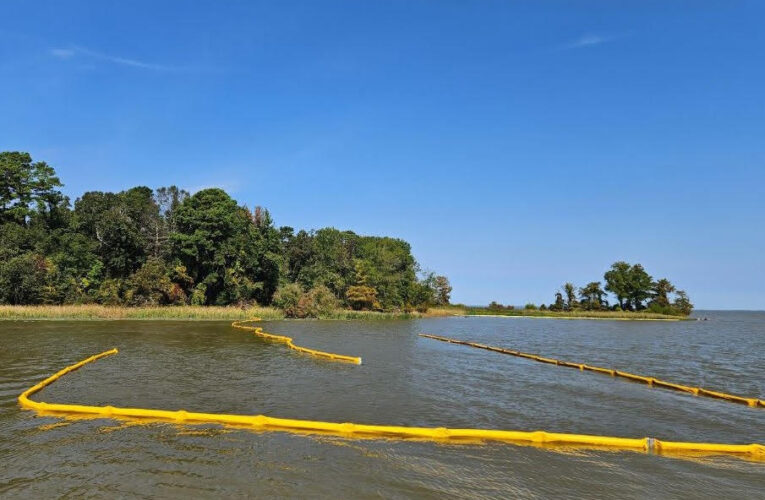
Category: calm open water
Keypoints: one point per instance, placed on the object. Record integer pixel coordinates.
(405, 380)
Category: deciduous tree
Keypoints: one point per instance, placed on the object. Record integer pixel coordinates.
(26, 187)
(593, 296)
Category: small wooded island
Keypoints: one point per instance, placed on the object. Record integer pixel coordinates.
(144, 248)
(636, 292)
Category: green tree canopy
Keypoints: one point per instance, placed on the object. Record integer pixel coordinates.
(443, 290)
(26, 187)
(632, 285)
(123, 225)
(592, 296)
(661, 290)
(570, 290)
(143, 247)
(618, 282)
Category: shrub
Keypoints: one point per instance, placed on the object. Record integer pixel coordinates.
(496, 306)
(149, 286)
(287, 298)
(25, 279)
(109, 293)
(199, 295)
(323, 299)
(530, 307)
(316, 302)
(176, 296)
(682, 304)
(362, 297)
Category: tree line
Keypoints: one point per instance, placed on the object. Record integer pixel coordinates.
(633, 288)
(167, 246)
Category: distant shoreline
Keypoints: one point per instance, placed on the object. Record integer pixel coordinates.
(184, 313)
(575, 314)
(605, 318)
(231, 313)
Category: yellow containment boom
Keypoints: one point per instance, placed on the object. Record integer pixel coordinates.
(288, 340)
(359, 431)
(651, 381)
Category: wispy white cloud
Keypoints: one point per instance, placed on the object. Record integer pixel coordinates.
(62, 53)
(588, 40)
(75, 51)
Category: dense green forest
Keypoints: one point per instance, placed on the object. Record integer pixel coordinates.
(166, 246)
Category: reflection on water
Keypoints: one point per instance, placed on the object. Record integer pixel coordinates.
(405, 380)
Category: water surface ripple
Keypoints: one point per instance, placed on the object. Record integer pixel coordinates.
(405, 380)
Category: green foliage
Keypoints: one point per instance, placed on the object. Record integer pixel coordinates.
(322, 300)
(443, 290)
(634, 289)
(150, 285)
(530, 307)
(199, 295)
(661, 290)
(341, 260)
(144, 247)
(287, 298)
(422, 295)
(582, 314)
(362, 298)
(232, 252)
(592, 297)
(26, 187)
(617, 282)
(571, 303)
(15, 240)
(122, 226)
(25, 279)
(682, 303)
(641, 285)
(110, 292)
(319, 301)
(559, 304)
(632, 285)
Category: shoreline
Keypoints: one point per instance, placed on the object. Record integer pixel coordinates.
(95, 312)
(604, 318)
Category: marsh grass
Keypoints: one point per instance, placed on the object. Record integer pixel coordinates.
(195, 313)
(345, 314)
(439, 311)
(231, 313)
(92, 311)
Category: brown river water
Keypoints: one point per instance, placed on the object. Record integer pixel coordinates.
(405, 380)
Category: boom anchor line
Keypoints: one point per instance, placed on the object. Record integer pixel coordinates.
(366, 431)
(650, 381)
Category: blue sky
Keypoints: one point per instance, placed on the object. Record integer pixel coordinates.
(516, 145)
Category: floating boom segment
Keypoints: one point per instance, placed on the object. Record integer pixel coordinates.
(651, 381)
(353, 430)
(288, 340)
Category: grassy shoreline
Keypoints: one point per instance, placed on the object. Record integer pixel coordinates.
(230, 313)
(184, 313)
(608, 315)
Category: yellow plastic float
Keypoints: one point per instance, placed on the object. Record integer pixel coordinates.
(357, 431)
(288, 340)
(651, 381)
